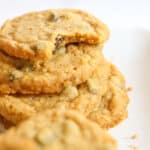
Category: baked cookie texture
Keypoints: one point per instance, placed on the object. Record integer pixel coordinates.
(71, 65)
(57, 130)
(5, 124)
(102, 98)
(38, 35)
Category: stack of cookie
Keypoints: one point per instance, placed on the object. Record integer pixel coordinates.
(51, 63)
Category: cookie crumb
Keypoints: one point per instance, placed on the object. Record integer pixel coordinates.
(133, 147)
(129, 89)
(134, 136)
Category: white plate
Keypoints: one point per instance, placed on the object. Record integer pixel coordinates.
(129, 49)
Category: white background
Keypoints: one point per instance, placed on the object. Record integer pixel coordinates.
(128, 48)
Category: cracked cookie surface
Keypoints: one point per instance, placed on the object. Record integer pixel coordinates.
(57, 130)
(71, 65)
(37, 35)
(102, 98)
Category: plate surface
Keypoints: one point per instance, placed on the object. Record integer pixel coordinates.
(129, 49)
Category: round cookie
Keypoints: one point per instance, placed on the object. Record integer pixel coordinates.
(102, 98)
(57, 130)
(38, 35)
(72, 65)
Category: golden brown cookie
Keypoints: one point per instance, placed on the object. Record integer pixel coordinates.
(71, 66)
(102, 98)
(57, 130)
(5, 123)
(38, 35)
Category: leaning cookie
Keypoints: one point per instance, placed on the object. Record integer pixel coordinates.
(57, 130)
(38, 35)
(71, 65)
(102, 98)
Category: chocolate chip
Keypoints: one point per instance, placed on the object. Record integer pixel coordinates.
(55, 17)
(29, 68)
(19, 65)
(52, 17)
(59, 41)
(63, 17)
(24, 65)
(34, 48)
(11, 77)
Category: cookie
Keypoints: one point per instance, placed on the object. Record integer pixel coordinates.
(57, 130)
(38, 35)
(4, 124)
(71, 65)
(102, 98)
